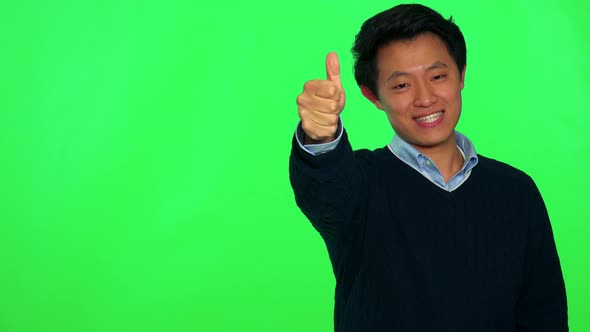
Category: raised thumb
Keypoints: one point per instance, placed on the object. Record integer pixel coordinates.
(333, 68)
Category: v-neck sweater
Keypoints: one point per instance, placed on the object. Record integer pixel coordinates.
(410, 256)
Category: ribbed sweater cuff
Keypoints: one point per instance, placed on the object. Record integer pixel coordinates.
(341, 155)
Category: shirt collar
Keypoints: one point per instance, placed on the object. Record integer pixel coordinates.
(421, 163)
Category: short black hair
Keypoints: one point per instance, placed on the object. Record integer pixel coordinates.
(402, 22)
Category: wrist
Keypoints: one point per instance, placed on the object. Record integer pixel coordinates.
(308, 140)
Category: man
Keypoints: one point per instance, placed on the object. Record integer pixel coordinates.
(423, 234)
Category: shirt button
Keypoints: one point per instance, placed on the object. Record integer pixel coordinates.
(428, 162)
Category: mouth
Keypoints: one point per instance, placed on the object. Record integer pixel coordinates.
(431, 120)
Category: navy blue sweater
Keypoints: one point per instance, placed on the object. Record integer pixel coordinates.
(410, 256)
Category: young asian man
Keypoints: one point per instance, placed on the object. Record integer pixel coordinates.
(423, 234)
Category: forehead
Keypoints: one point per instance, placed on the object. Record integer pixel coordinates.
(414, 54)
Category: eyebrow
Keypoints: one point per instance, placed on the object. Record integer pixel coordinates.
(398, 73)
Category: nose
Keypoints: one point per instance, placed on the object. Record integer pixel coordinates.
(424, 96)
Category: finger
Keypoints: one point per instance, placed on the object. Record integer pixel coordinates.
(327, 121)
(323, 89)
(333, 68)
(330, 92)
(320, 105)
(317, 130)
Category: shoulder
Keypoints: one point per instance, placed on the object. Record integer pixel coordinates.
(376, 157)
(502, 173)
(379, 153)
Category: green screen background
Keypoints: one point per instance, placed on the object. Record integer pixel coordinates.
(144, 169)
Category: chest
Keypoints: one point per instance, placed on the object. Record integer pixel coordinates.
(467, 246)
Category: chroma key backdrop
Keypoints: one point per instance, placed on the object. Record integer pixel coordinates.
(144, 153)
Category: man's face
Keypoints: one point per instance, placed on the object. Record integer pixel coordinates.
(419, 87)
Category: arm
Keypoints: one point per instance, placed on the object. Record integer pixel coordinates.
(327, 182)
(542, 304)
(329, 187)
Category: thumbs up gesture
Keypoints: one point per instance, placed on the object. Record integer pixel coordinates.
(321, 103)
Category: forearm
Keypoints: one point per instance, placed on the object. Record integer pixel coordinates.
(329, 187)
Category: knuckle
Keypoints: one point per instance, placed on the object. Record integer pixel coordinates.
(333, 106)
(330, 131)
(332, 119)
(300, 99)
(307, 127)
(303, 113)
(309, 86)
(335, 120)
(331, 91)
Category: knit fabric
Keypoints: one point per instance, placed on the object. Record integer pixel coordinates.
(410, 256)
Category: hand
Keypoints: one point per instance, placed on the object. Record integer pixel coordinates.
(321, 103)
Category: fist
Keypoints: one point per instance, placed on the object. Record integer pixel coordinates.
(321, 103)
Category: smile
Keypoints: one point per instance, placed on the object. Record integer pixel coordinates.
(431, 118)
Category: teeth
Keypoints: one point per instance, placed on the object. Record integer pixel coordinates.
(430, 118)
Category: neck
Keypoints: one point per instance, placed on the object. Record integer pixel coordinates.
(446, 156)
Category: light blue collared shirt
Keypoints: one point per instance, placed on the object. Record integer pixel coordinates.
(412, 157)
(420, 162)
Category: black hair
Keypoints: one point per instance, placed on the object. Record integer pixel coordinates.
(402, 22)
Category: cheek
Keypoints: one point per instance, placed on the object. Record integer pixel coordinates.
(452, 94)
(398, 113)
(399, 104)
(457, 99)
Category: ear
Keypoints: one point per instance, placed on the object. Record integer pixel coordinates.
(463, 76)
(371, 96)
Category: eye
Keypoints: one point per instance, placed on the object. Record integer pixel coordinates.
(439, 77)
(400, 86)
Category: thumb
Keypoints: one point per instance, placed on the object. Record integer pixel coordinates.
(333, 68)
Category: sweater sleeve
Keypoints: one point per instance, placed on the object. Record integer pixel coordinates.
(330, 188)
(542, 304)
(315, 149)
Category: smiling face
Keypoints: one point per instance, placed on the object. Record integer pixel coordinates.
(419, 87)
